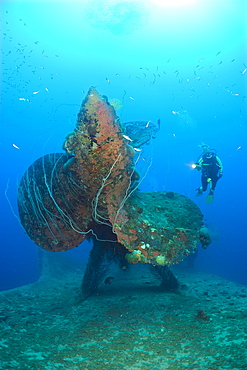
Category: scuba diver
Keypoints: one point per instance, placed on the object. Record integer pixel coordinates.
(212, 170)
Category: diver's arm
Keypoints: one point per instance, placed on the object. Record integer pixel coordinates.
(220, 166)
(199, 164)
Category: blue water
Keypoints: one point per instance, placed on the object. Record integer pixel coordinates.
(183, 64)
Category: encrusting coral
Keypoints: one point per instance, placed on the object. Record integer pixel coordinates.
(63, 198)
(104, 159)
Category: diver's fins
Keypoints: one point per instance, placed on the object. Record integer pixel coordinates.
(210, 198)
(199, 192)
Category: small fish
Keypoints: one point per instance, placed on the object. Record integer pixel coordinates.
(132, 98)
(218, 53)
(46, 89)
(109, 280)
(232, 60)
(244, 71)
(174, 112)
(35, 92)
(220, 62)
(144, 159)
(23, 99)
(147, 124)
(15, 146)
(239, 148)
(127, 137)
(137, 149)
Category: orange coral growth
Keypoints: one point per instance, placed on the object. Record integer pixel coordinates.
(52, 211)
(157, 240)
(93, 184)
(103, 156)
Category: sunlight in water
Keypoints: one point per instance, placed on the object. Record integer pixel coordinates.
(173, 3)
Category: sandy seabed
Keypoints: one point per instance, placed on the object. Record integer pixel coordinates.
(130, 324)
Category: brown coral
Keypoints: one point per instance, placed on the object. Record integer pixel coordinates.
(62, 197)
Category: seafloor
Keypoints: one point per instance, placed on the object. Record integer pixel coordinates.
(130, 324)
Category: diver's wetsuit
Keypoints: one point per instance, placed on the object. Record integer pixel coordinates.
(211, 169)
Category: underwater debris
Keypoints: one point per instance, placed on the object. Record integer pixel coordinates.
(204, 237)
(165, 232)
(201, 315)
(64, 197)
(53, 204)
(140, 132)
(109, 280)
